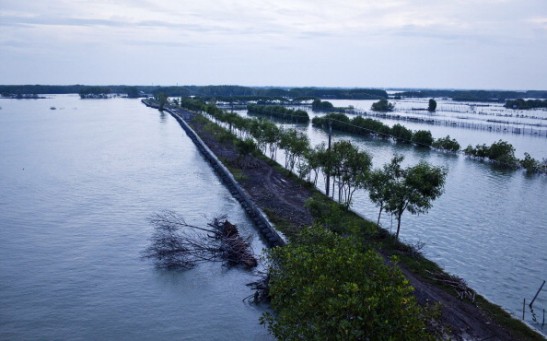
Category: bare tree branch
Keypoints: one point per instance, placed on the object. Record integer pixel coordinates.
(176, 244)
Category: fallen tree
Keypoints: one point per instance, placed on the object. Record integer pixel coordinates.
(176, 244)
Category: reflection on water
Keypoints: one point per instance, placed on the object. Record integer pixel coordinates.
(78, 185)
(163, 116)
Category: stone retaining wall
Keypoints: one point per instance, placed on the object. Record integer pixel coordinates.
(264, 226)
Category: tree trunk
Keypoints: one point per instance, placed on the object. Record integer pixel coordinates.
(380, 213)
(398, 226)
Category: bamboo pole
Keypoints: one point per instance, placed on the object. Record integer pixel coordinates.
(537, 293)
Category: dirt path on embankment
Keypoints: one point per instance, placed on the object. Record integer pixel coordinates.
(271, 189)
(282, 197)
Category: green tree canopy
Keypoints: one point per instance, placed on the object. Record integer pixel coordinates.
(382, 105)
(350, 169)
(325, 287)
(318, 105)
(413, 189)
(446, 143)
(380, 183)
(162, 99)
(401, 133)
(432, 106)
(501, 152)
(422, 138)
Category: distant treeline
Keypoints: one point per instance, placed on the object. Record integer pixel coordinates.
(224, 92)
(474, 95)
(525, 104)
(325, 106)
(243, 93)
(25, 91)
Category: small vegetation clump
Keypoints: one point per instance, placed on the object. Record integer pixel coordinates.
(401, 134)
(501, 152)
(446, 143)
(422, 138)
(280, 112)
(383, 106)
(318, 105)
(532, 165)
(432, 105)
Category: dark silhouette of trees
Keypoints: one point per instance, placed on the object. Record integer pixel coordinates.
(422, 138)
(446, 143)
(382, 105)
(318, 105)
(401, 134)
(278, 111)
(432, 106)
(522, 104)
(501, 152)
(162, 100)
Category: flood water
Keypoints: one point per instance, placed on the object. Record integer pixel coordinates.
(457, 119)
(490, 225)
(77, 185)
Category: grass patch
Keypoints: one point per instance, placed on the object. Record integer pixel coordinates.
(281, 224)
(237, 173)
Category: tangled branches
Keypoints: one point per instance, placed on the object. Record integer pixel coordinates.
(457, 283)
(261, 289)
(176, 244)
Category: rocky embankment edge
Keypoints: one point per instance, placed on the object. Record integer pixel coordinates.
(271, 236)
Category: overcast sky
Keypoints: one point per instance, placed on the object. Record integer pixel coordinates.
(469, 44)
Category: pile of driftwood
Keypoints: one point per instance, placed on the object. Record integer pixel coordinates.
(457, 283)
(178, 245)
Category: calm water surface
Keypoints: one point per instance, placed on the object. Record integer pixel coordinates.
(77, 185)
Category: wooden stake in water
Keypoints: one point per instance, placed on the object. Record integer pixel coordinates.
(523, 308)
(537, 293)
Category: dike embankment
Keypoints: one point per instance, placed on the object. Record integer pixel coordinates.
(273, 191)
(266, 229)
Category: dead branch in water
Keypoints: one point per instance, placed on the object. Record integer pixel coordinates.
(459, 284)
(176, 244)
(261, 289)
